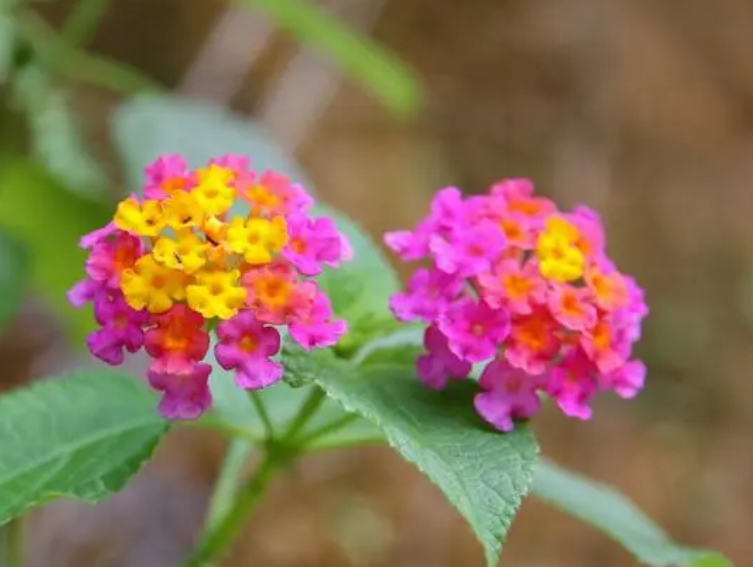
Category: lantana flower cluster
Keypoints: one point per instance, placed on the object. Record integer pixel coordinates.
(526, 289)
(176, 263)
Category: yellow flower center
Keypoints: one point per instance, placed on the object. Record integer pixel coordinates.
(559, 257)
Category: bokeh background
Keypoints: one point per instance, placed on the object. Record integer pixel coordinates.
(641, 108)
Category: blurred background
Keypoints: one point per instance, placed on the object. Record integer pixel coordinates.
(641, 108)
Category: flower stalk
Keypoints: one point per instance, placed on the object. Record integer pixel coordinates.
(218, 539)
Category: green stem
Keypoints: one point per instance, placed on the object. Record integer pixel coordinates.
(82, 23)
(229, 508)
(228, 429)
(14, 543)
(227, 485)
(219, 538)
(308, 409)
(327, 428)
(263, 414)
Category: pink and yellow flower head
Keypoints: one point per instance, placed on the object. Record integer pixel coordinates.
(526, 289)
(178, 262)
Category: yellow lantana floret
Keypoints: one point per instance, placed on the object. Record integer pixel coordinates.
(559, 257)
(256, 239)
(214, 193)
(187, 252)
(150, 285)
(143, 219)
(182, 211)
(261, 198)
(214, 229)
(216, 293)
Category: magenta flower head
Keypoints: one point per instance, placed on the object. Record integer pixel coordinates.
(181, 260)
(527, 290)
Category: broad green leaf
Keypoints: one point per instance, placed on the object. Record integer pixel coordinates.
(615, 515)
(393, 82)
(483, 473)
(50, 221)
(14, 268)
(83, 435)
(56, 140)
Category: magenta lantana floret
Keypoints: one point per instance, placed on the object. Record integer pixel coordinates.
(177, 261)
(527, 290)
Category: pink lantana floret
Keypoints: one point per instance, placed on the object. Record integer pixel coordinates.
(572, 383)
(237, 163)
(318, 328)
(247, 346)
(513, 286)
(111, 255)
(313, 243)
(165, 175)
(468, 251)
(430, 293)
(474, 330)
(121, 329)
(439, 363)
(185, 394)
(509, 393)
(89, 240)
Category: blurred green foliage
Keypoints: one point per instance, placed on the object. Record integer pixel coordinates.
(49, 220)
(369, 63)
(14, 268)
(55, 138)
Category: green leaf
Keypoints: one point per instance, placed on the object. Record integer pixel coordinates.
(393, 82)
(84, 436)
(403, 346)
(14, 268)
(56, 140)
(50, 221)
(483, 473)
(615, 515)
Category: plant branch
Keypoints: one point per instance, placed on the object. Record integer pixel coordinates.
(263, 414)
(308, 409)
(57, 56)
(230, 430)
(219, 538)
(327, 428)
(226, 488)
(230, 508)
(12, 544)
(82, 23)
